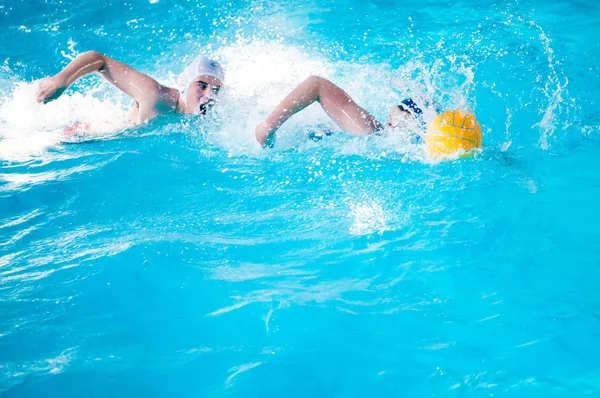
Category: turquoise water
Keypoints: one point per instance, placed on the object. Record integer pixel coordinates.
(179, 259)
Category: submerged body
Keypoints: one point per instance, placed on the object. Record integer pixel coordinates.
(449, 133)
(338, 105)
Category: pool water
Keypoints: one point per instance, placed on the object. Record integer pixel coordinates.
(180, 259)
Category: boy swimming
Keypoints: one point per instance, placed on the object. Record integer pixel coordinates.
(198, 85)
(338, 105)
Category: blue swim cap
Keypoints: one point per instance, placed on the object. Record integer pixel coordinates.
(408, 105)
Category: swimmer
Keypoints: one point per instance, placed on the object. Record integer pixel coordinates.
(338, 105)
(198, 85)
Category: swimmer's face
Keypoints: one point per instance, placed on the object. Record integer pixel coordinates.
(398, 117)
(202, 93)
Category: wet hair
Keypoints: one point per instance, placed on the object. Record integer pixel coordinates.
(408, 105)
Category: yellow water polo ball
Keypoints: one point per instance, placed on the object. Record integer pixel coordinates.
(451, 132)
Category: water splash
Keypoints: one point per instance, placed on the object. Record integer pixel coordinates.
(28, 128)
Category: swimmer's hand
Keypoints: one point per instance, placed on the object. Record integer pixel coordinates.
(265, 135)
(51, 88)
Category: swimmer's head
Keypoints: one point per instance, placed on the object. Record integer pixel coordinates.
(403, 113)
(200, 83)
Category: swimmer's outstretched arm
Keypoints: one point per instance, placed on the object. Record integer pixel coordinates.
(149, 94)
(335, 102)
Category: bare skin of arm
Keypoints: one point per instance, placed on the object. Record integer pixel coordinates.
(151, 97)
(338, 105)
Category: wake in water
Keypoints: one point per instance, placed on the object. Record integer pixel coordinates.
(28, 128)
(259, 75)
(348, 262)
(261, 72)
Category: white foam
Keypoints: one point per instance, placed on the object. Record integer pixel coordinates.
(28, 128)
(368, 217)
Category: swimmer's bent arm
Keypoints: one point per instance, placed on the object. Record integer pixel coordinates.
(340, 107)
(145, 90)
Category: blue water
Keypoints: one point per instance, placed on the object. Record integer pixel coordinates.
(179, 259)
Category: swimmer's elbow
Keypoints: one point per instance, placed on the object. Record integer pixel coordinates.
(316, 80)
(94, 56)
(317, 85)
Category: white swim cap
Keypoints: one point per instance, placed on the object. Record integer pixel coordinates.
(201, 65)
